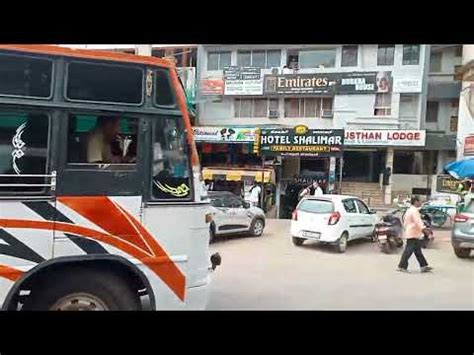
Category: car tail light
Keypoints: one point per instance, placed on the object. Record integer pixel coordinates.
(460, 218)
(335, 217)
(294, 215)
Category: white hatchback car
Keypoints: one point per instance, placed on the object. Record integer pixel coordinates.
(333, 219)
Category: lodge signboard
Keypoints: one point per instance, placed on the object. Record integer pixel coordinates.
(394, 138)
(301, 141)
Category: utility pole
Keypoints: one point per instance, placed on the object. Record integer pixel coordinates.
(143, 49)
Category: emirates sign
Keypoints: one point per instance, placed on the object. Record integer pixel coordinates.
(400, 138)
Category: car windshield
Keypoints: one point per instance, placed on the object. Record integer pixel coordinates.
(316, 206)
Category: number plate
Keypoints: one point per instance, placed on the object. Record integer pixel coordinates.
(312, 235)
(382, 237)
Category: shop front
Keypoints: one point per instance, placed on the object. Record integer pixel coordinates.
(307, 155)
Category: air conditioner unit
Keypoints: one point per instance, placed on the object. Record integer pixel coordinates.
(327, 114)
(276, 71)
(273, 114)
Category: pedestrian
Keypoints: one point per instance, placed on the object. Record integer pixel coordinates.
(413, 227)
(255, 191)
(312, 190)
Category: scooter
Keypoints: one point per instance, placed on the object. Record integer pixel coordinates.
(428, 236)
(388, 233)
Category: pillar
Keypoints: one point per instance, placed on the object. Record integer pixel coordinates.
(388, 188)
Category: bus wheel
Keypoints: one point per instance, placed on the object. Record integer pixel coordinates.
(84, 290)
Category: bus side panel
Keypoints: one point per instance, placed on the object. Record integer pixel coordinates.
(184, 233)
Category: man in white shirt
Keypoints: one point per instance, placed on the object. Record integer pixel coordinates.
(255, 191)
(312, 190)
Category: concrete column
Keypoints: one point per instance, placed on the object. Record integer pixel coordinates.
(388, 188)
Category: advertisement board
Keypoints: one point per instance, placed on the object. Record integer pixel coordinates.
(223, 134)
(242, 81)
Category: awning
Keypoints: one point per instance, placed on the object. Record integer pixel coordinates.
(238, 175)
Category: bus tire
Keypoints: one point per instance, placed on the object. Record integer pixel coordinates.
(84, 290)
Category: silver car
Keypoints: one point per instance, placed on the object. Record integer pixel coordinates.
(462, 238)
(233, 215)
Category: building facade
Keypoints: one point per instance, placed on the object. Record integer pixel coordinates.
(465, 131)
(376, 93)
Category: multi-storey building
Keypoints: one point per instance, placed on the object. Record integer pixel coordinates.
(465, 132)
(378, 95)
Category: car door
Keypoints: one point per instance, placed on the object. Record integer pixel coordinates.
(239, 215)
(352, 217)
(366, 219)
(222, 215)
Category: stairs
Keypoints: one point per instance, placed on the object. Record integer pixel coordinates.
(369, 192)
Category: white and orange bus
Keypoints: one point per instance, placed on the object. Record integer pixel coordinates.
(100, 193)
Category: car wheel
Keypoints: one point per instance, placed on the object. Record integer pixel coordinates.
(462, 253)
(257, 227)
(341, 244)
(298, 241)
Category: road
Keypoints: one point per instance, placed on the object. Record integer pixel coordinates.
(270, 273)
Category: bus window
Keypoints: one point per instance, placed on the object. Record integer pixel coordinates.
(163, 89)
(102, 139)
(25, 76)
(104, 83)
(24, 140)
(171, 177)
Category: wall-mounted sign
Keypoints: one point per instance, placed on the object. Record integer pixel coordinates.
(401, 138)
(243, 81)
(329, 83)
(446, 183)
(407, 85)
(211, 86)
(300, 142)
(224, 134)
(469, 146)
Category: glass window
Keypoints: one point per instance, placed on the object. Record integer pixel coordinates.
(317, 58)
(383, 105)
(104, 83)
(349, 206)
(258, 59)
(362, 207)
(244, 58)
(102, 139)
(233, 202)
(432, 108)
(349, 56)
(236, 107)
(273, 104)
(327, 103)
(292, 107)
(24, 76)
(385, 54)
(24, 143)
(245, 108)
(411, 54)
(435, 62)
(213, 61)
(163, 88)
(224, 60)
(260, 107)
(218, 202)
(171, 178)
(310, 107)
(273, 58)
(316, 206)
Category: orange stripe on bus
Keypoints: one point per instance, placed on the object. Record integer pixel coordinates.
(10, 273)
(166, 270)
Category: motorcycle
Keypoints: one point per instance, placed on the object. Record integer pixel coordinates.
(388, 233)
(428, 236)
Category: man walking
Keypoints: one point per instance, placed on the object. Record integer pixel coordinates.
(413, 226)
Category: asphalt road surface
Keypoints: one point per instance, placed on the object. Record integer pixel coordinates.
(270, 273)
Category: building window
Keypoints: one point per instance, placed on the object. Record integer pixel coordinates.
(218, 60)
(383, 105)
(408, 105)
(349, 56)
(253, 107)
(308, 107)
(259, 58)
(458, 51)
(385, 54)
(316, 58)
(435, 62)
(432, 111)
(411, 54)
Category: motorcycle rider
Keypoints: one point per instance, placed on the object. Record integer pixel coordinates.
(413, 227)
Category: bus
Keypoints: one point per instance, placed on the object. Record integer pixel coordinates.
(101, 200)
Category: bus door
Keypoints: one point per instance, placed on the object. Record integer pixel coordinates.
(27, 191)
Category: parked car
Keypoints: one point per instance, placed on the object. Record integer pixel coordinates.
(462, 238)
(333, 219)
(233, 215)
